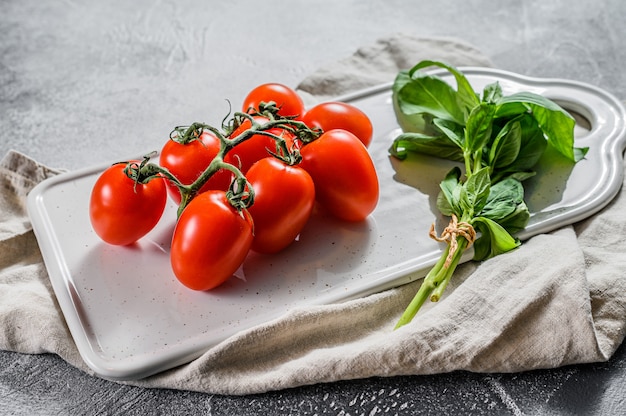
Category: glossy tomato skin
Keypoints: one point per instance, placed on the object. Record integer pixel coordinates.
(257, 147)
(210, 241)
(188, 161)
(288, 100)
(346, 183)
(122, 212)
(283, 202)
(339, 115)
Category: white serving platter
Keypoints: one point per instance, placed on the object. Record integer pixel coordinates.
(130, 317)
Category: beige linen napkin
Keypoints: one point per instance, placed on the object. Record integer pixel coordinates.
(30, 319)
(519, 311)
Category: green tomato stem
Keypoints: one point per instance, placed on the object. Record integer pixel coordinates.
(241, 195)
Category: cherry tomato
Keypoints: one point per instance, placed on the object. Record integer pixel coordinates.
(121, 212)
(286, 99)
(210, 241)
(256, 147)
(283, 202)
(346, 183)
(188, 161)
(340, 115)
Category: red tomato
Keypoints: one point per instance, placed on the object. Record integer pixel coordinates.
(286, 99)
(211, 240)
(340, 115)
(188, 161)
(283, 202)
(256, 147)
(345, 178)
(122, 212)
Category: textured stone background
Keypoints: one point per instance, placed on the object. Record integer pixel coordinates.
(83, 81)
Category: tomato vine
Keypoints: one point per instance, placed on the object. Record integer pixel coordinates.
(240, 194)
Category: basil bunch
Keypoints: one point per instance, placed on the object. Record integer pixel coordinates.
(498, 139)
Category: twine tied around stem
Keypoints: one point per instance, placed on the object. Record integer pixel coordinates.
(450, 235)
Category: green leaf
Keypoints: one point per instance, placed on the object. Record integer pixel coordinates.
(450, 195)
(580, 153)
(482, 247)
(532, 147)
(432, 95)
(438, 146)
(533, 144)
(503, 199)
(557, 125)
(506, 145)
(443, 205)
(494, 239)
(517, 220)
(402, 78)
(466, 94)
(492, 93)
(408, 122)
(451, 129)
(478, 128)
(477, 189)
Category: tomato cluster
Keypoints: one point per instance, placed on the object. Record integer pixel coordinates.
(251, 185)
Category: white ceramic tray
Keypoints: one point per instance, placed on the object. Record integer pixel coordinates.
(130, 317)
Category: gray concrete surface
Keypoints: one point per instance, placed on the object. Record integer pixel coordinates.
(83, 81)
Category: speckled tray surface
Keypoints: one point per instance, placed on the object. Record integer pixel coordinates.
(130, 317)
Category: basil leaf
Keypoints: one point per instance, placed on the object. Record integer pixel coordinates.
(494, 239)
(532, 147)
(450, 195)
(408, 122)
(506, 145)
(557, 125)
(503, 199)
(451, 129)
(492, 93)
(444, 206)
(478, 188)
(428, 94)
(533, 144)
(517, 220)
(402, 78)
(438, 146)
(466, 94)
(482, 247)
(478, 128)
(580, 153)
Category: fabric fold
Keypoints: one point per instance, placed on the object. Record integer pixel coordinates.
(30, 318)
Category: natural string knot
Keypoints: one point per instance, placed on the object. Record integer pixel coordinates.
(450, 235)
